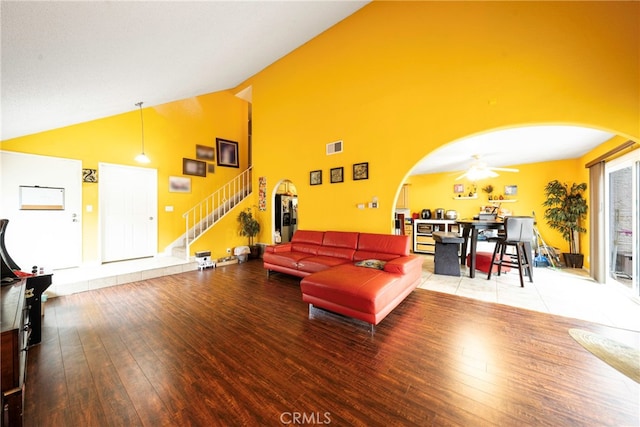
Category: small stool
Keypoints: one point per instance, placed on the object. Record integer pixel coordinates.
(446, 258)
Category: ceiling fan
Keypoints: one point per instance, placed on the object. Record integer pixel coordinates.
(480, 170)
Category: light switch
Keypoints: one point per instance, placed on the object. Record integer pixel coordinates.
(89, 208)
(168, 208)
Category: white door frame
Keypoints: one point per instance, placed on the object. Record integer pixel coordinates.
(630, 160)
(104, 203)
(34, 235)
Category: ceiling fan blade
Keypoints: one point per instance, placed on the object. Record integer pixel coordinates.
(461, 176)
(505, 169)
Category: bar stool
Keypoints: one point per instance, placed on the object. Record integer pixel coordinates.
(519, 234)
(446, 259)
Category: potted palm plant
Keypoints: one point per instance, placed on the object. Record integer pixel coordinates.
(249, 227)
(566, 208)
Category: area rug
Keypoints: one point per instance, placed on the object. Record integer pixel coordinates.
(620, 356)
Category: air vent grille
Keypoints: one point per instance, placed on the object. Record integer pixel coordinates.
(334, 147)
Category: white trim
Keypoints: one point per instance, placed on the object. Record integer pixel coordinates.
(631, 160)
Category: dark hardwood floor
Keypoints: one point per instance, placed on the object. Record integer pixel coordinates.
(231, 347)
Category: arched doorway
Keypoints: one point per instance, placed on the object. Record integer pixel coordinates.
(285, 211)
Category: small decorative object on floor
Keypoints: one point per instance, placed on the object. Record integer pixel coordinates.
(227, 261)
(203, 258)
(242, 252)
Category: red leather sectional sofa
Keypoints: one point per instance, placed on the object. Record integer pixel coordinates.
(360, 275)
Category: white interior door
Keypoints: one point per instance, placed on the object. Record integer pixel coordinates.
(128, 212)
(49, 238)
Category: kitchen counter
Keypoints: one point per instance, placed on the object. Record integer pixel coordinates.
(422, 233)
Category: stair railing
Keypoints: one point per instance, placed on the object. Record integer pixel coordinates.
(214, 207)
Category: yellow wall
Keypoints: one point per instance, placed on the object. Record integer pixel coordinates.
(396, 80)
(171, 133)
(433, 191)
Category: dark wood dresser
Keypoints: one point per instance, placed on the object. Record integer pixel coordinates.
(13, 357)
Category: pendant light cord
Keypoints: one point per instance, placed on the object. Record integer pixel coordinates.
(142, 158)
(139, 104)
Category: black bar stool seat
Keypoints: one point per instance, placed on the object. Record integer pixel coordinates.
(518, 234)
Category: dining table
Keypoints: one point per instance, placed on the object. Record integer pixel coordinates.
(470, 231)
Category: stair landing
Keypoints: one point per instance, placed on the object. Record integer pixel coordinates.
(86, 278)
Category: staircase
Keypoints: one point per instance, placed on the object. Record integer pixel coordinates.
(200, 218)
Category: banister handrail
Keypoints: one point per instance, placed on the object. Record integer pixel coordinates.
(214, 207)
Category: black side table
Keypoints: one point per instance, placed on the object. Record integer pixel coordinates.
(36, 285)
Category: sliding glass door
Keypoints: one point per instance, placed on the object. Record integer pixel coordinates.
(622, 220)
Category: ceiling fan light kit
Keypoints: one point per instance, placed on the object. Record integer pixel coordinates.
(479, 170)
(475, 173)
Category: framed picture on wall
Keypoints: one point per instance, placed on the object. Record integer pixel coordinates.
(337, 175)
(90, 175)
(179, 184)
(361, 171)
(510, 190)
(227, 152)
(204, 153)
(194, 167)
(458, 188)
(315, 177)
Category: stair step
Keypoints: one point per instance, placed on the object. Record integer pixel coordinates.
(199, 223)
(179, 252)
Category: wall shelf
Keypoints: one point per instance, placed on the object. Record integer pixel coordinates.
(465, 197)
(503, 201)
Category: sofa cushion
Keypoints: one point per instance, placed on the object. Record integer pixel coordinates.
(363, 289)
(308, 236)
(344, 254)
(341, 239)
(313, 264)
(384, 247)
(284, 259)
(307, 241)
(339, 244)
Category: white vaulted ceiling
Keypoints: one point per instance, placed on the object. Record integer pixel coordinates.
(69, 62)
(508, 147)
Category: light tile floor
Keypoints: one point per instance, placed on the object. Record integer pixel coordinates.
(565, 292)
(90, 277)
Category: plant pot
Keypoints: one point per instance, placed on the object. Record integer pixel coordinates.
(573, 260)
(255, 252)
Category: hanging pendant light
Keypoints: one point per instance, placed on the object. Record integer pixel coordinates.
(141, 158)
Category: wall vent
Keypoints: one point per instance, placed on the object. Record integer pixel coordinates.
(334, 147)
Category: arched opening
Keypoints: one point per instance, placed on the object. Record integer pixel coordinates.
(285, 211)
(536, 146)
(440, 180)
